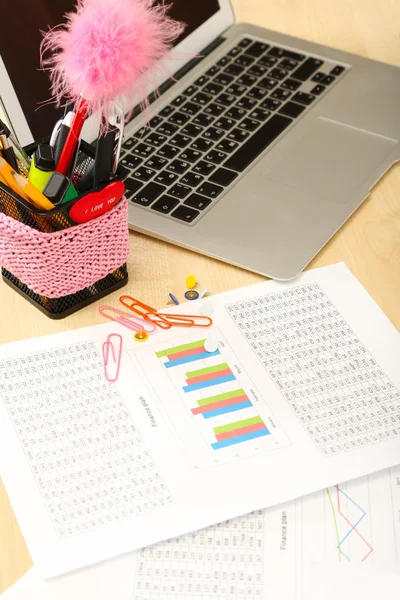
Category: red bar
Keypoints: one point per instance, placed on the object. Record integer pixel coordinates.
(236, 432)
(184, 353)
(220, 404)
(209, 376)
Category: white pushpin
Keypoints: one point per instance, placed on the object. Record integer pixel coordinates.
(211, 345)
(203, 293)
(206, 309)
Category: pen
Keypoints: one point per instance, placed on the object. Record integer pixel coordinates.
(19, 151)
(7, 151)
(71, 142)
(63, 130)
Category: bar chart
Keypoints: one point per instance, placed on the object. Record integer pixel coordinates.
(228, 411)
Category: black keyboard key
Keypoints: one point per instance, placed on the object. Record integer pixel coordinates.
(148, 194)
(257, 49)
(318, 89)
(234, 70)
(224, 123)
(318, 77)
(338, 70)
(212, 71)
(210, 190)
(268, 83)
(201, 144)
(155, 121)
(223, 79)
(166, 111)
(288, 64)
(227, 146)
(213, 134)
(293, 55)
(143, 173)
(281, 94)
(246, 103)
(247, 80)
(215, 110)
(245, 42)
(216, 157)
(127, 145)
(179, 191)
(204, 168)
(244, 60)
(327, 80)
(291, 109)
(234, 52)
(130, 161)
(178, 166)
(132, 186)
(267, 133)
(222, 177)
(181, 141)
(257, 70)
(168, 151)
(185, 213)
(167, 128)
(201, 81)
(166, 178)
(155, 139)
(307, 69)
(236, 113)
(143, 150)
(259, 114)
(156, 162)
(249, 125)
(270, 104)
(236, 89)
(190, 90)
(238, 135)
(303, 98)
(192, 179)
(213, 88)
(223, 61)
(190, 155)
(278, 73)
(257, 93)
(225, 99)
(267, 61)
(178, 101)
(196, 201)
(276, 52)
(192, 130)
(165, 204)
(190, 109)
(203, 120)
(291, 84)
(178, 118)
(202, 99)
(140, 133)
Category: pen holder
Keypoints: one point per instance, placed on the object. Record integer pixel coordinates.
(57, 265)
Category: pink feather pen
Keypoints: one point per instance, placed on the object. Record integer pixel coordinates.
(101, 54)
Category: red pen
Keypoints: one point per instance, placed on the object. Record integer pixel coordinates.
(73, 137)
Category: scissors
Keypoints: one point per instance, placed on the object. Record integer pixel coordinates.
(163, 320)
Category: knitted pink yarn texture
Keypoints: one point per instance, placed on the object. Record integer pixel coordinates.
(64, 262)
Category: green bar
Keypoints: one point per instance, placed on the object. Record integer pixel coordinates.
(220, 367)
(237, 425)
(219, 397)
(180, 348)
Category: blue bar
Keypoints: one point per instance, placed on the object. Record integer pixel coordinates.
(208, 383)
(226, 409)
(188, 359)
(240, 438)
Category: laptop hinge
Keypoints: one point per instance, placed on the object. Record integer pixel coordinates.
(166, 85)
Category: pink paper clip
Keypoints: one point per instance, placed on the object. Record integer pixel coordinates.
(116, 356)
(126, 319)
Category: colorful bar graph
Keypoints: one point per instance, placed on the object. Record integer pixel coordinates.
(239, 428)
(181, 348)
(209, 373)
(200, 410)
(227, 409)
(219, 397)
(239, 439)
(188, 359)
(207, 370)
(211, 382)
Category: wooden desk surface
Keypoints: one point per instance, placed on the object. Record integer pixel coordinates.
(369, 243)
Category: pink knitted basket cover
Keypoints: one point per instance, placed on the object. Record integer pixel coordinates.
(64, 262)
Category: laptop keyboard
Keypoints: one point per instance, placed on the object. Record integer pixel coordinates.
(181, 163)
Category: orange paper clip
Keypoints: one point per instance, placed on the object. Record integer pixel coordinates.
(164, 320)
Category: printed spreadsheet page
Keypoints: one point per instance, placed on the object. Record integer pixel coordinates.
(302, 392)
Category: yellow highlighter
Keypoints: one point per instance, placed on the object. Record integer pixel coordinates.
(21, 186)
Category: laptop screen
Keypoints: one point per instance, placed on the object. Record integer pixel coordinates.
(20, 41)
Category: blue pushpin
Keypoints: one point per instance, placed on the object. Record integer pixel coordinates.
(174, 298)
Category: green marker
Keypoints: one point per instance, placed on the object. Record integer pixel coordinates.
(42, 166)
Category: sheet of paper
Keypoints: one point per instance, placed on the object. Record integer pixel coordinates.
(320, 546)
(302, 392)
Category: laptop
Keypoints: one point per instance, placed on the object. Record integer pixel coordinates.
(263, 147)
